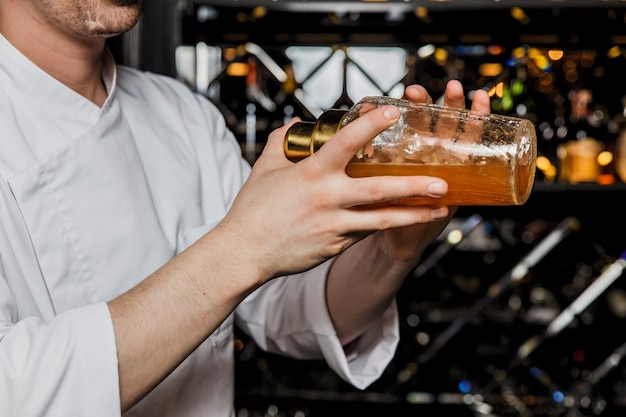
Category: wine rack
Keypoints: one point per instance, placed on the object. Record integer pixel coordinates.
(466, 318)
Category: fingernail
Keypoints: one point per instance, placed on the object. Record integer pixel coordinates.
(439, 213)
(437, 188)
(392, 113)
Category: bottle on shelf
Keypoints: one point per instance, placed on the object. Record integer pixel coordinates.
(586, 156)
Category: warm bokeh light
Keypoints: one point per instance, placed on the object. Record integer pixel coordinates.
(441, 55)
(500, 89)
(555, 54)
(490, 69)
(605, 158)
(421, 12)
(614, 52)
(237, 69)
(518, 14)
(547, 168)
(495, 50)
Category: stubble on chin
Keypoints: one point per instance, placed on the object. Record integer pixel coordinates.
(122, 19)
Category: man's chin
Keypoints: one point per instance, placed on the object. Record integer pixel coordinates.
(122, 23)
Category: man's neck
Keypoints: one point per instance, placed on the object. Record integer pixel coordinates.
(74, 61)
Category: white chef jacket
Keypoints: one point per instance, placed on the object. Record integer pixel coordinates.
(92, 200)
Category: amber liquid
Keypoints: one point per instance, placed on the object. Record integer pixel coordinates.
(468, 185)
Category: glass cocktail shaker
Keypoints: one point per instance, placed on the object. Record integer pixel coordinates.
(487, 159)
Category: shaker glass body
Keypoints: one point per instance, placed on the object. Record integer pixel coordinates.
(486, 159)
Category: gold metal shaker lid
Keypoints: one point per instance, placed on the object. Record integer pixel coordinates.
(304, 138)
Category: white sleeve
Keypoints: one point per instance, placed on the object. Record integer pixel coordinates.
(289, 316)
(64, 368)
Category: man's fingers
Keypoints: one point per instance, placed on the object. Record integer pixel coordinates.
(481, 101)
(381, 189)
(418, 94)
(454, 95)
